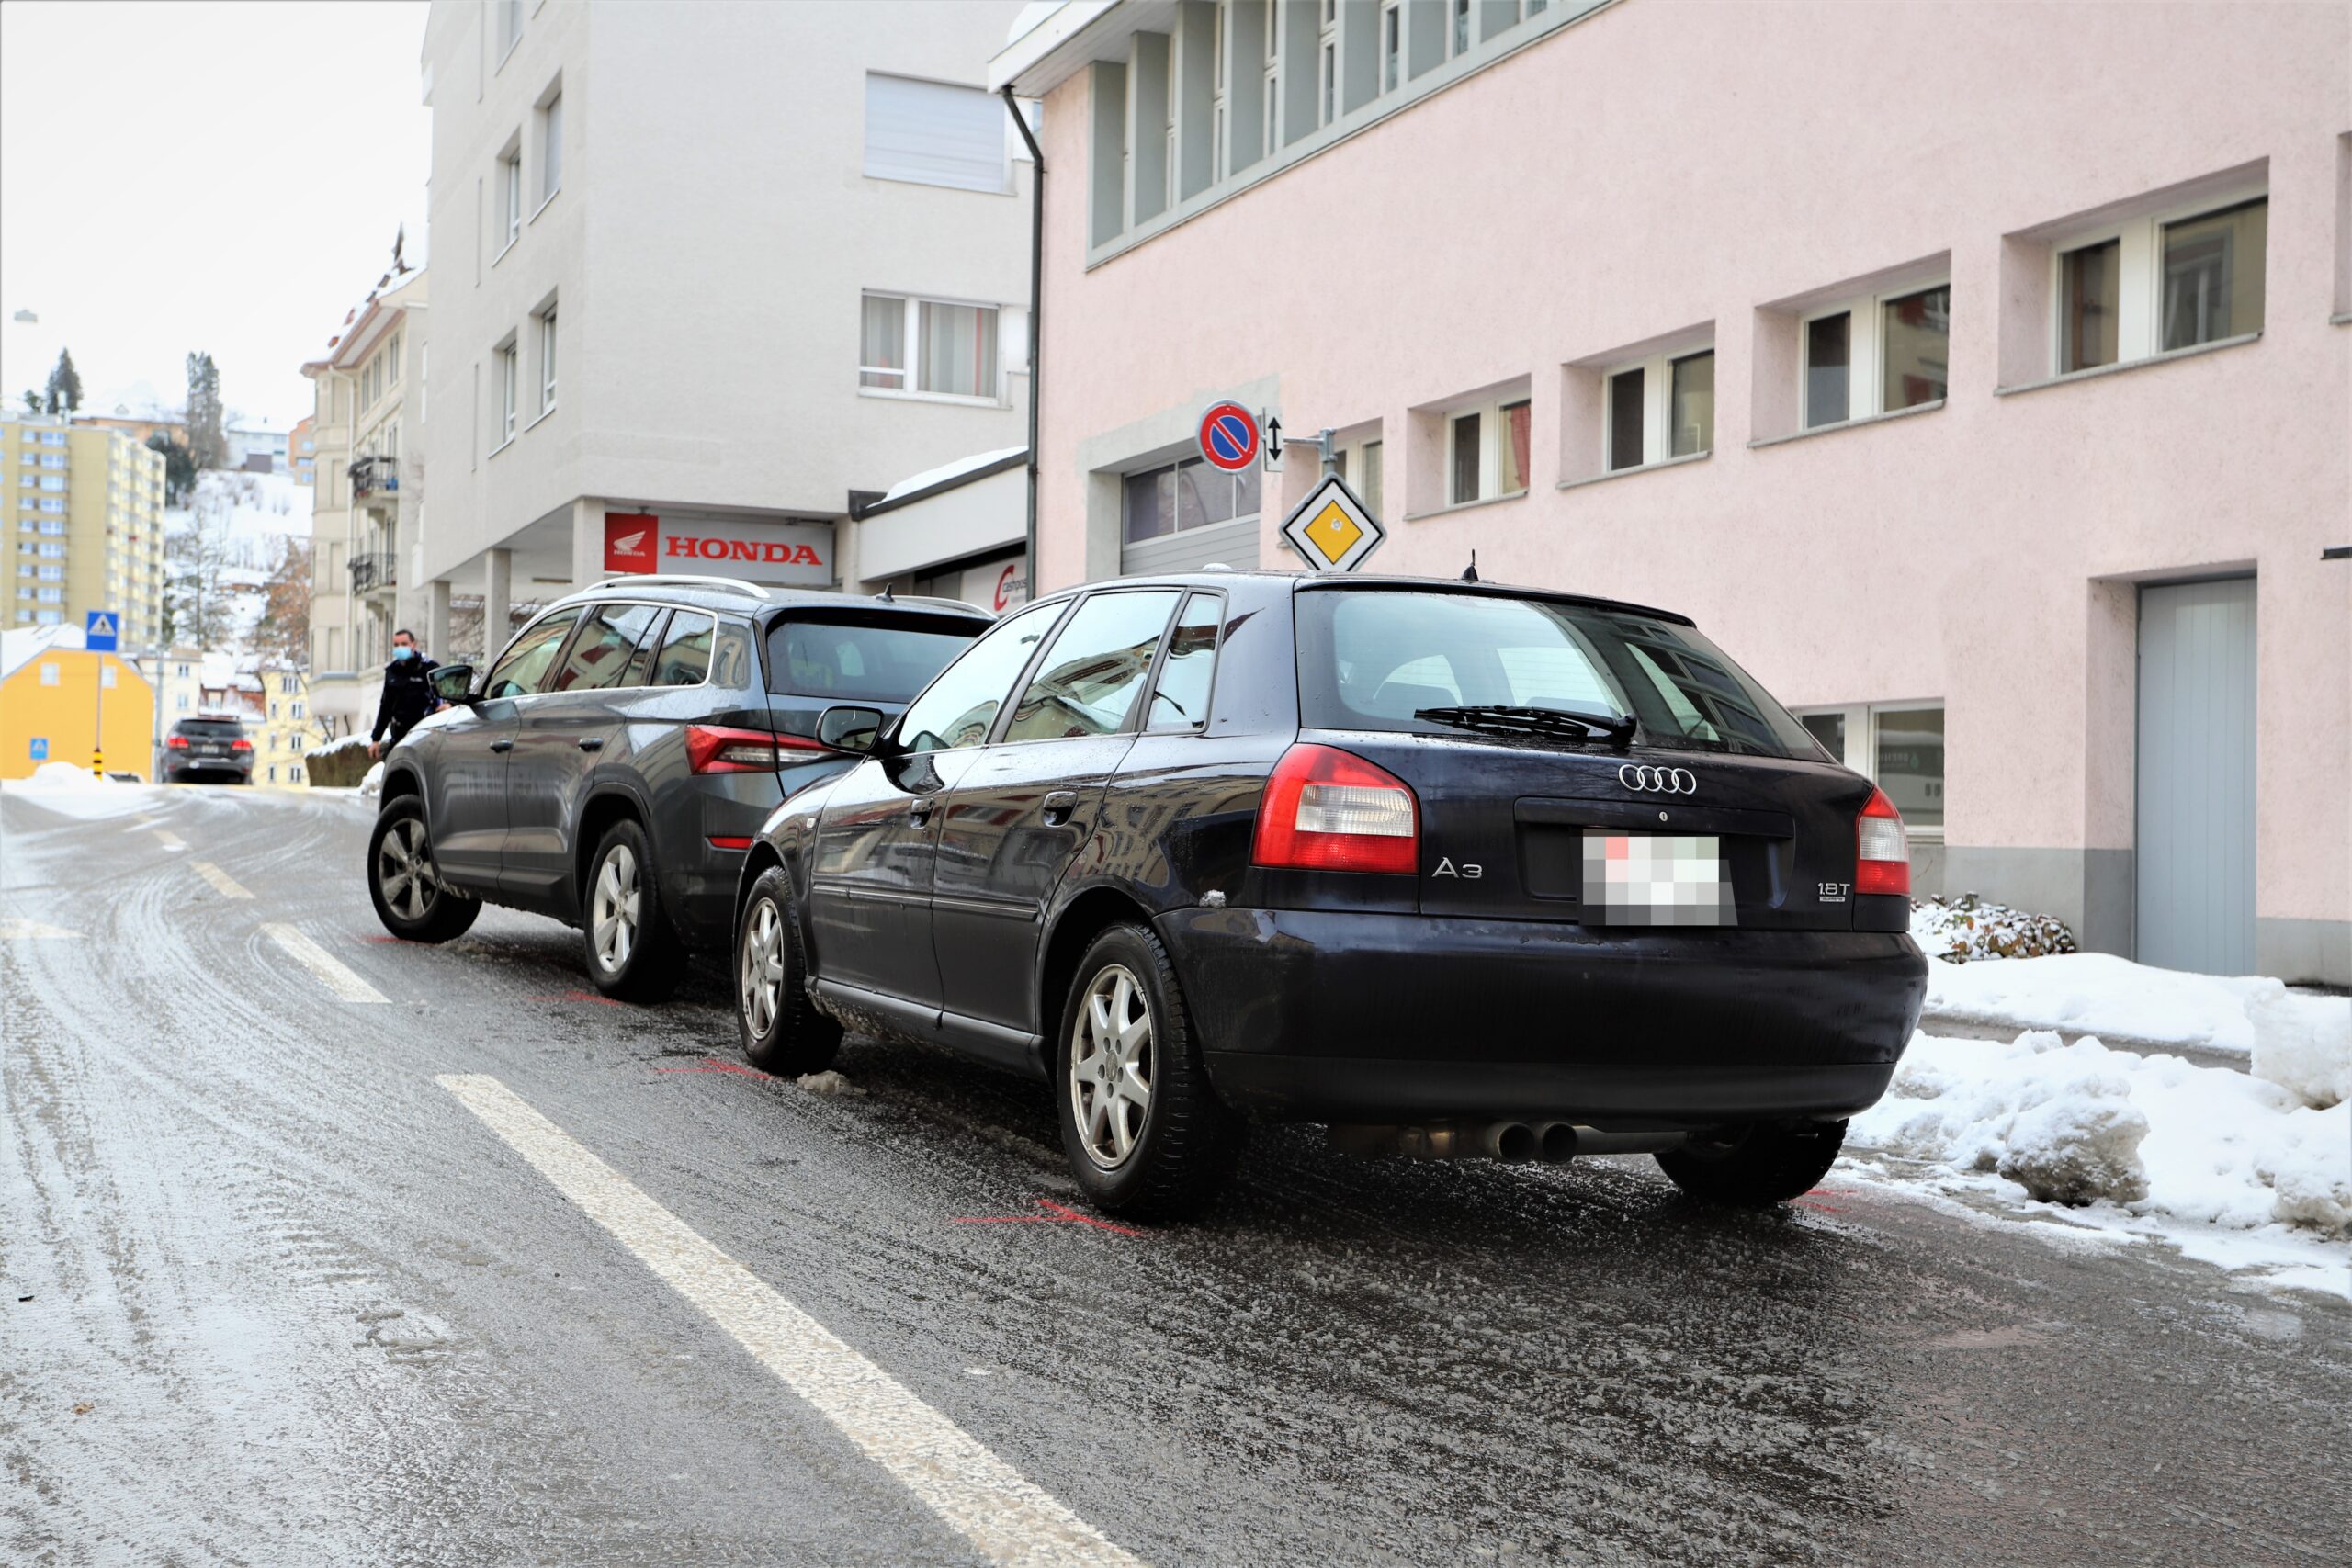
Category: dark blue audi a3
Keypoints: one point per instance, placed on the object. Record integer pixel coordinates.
(1456, 868)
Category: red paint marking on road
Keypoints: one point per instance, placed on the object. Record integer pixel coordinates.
(392, 939)
(711, 1064)
(575, 997)
(1054, 1215)
(1827, 1208)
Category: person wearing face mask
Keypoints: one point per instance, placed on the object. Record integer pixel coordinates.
(408, 694)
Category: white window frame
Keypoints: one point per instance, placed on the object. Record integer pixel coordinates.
(910, 334)
(545, 317)
(510, 196)
(510, 27)
(1327, 63)
(2139, 280)
(1657, 406)
(1865, 351)
(1461, 28)
(1271, 75)
(1353, 458)
(510, 376)
(1861, 748)
(549, 121)
(1490, 450)
(1218, 95)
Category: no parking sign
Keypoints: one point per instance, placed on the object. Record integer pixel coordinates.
(1228, 436)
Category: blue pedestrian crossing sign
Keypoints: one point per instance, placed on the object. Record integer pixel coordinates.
(40, 748)
(99, 630)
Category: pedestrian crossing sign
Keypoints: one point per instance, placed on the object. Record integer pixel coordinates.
(1332, 529)
(99, 631)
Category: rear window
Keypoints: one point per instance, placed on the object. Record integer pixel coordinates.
(1370, 659)
(209, 728)
(847, 656)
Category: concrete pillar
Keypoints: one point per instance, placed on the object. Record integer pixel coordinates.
(497, 600)
(437, 618)
(588, 542)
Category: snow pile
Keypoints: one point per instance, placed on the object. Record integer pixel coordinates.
(825, 1082)
(2302, 1044)
(2153, 1137)
(1969, 927)
(66, 789)
(66, 775)
(341, 743)
(373, 784)
(2097, 993)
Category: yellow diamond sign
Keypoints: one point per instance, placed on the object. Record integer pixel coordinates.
(1331, 529)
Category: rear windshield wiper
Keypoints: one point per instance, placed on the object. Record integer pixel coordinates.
(1496, 718)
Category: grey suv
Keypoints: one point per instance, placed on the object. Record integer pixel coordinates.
(211, 745)
(612, 766)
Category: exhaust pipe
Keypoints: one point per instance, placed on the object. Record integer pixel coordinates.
(1511, 1142)
(1557, 1141)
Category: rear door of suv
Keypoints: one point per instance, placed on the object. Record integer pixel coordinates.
(466, 784)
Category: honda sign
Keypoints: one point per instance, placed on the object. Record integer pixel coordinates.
(799, 553)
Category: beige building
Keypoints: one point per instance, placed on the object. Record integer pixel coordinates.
(368, 478)
(82, 515)
(280, 723)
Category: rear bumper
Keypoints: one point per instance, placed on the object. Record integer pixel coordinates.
(1342, 1016)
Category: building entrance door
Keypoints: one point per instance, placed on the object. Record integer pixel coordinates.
(2195, 831)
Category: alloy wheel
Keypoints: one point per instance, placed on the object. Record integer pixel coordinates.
(1110, 1065)
(404, 870)
(614, 912)
(763, 967)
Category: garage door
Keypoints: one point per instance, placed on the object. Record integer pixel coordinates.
(2196, 776)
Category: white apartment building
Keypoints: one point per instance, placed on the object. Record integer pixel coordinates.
(704, 274)
(367, 500)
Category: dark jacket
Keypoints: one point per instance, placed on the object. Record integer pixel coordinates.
(408, 696)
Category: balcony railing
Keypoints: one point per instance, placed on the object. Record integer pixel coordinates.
(375, 475)
(374, 569)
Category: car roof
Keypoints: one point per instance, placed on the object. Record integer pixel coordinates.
(753, 598)
(1306, 581)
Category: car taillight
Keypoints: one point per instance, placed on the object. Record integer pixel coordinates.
(714, 749)
(1331, 810)
(176, 743)
(1882, 849)
(241, 745)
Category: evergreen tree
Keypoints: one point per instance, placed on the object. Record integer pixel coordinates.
(33, 401)
(64, 385)
(196, 554)
(208, 442)
(179, 467)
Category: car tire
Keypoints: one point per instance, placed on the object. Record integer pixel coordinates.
(625, 936)
(783, 1032)
(403, 883)
(1758, 1165)
(1167, 1155)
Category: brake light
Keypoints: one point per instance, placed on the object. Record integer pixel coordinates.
(728, 841)
(1882, 849)
(1331, 810)
(714, 749)
(176, 743)
(240, 744)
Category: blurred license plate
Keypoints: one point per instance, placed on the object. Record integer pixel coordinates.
(1652, 879)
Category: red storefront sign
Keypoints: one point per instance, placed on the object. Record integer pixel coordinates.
(761, 552)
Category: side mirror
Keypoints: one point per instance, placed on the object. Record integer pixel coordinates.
(454, 684)
(845, 727)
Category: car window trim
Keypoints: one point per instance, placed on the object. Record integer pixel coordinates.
(675, 611)
(592, 607)
(1019, 682)
(1003, 720)
(577, 614)
(1160, 659)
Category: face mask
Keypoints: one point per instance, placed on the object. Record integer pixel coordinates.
(404, 653)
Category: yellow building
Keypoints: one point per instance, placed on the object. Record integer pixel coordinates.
(281, 725)
(57, 700)
(81, 526)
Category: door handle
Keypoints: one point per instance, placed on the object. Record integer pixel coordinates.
(501, 747)
(594, 743)
(919, 810)
(1059, 804)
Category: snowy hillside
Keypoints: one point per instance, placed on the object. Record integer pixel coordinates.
(245, 516)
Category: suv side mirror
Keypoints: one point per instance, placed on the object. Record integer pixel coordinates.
(454, 684)
(845, 727)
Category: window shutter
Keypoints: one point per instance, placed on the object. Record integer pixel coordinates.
(934, 134)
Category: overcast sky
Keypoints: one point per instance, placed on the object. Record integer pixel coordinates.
(202, 175)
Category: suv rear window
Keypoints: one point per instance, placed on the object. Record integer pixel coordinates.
(846, 655)
(209, 728)
(1369, 658)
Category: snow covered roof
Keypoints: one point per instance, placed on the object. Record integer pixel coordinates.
(19, 646)
(947, 473)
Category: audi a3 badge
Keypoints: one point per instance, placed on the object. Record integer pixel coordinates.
(1644, 779)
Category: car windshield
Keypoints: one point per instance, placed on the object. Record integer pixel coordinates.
(848, 657)
(1374, 658)
(211, 728)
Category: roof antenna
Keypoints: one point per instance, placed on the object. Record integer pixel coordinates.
(885, 594)
(1470, 573)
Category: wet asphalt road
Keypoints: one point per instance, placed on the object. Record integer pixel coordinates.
(292, 1303)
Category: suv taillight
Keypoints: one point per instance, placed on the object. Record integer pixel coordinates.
(1331, 810)
(240, 744)
(174, 742)
(715, 749)
(1882, 849)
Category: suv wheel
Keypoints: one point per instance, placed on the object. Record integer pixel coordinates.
(783, 1032)
(411, 899)
(632, 953)
(1756, 1167)
(1144, 1133)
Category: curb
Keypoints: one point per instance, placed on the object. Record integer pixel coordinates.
(1961, 1026)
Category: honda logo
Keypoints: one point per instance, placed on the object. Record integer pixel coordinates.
(1657, 781)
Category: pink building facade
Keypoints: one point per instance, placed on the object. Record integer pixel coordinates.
(1979, 376)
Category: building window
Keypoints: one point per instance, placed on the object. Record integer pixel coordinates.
(1188, 494)
(2213, 274)
(1217, 97)
(928, 346)
(551, 148)
(1360, 466)
(510, 198)
(510, 26)
(52, 484)
(546, 360)
(183, 702)
(2160, 282)
(510, 374)
(1879, 354)
(1487, 452)
(1458, 35)
(1274, 80)
(934, 134)
(1897, 746)
(51, 460)
(1327, 55)
(1392, 45)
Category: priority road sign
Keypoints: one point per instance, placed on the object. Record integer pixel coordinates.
(98, 629)
(1332, 529)
(1228, 436)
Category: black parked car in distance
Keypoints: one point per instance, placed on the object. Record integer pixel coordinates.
(212, 747)
(613, 765)
(1455, 867)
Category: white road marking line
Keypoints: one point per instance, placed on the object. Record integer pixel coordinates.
(168, 839)
(1007, 1518)
(142, 825)
(13, 927)
(225, 884)
(331, 971)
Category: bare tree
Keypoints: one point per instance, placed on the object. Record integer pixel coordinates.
(284, 630)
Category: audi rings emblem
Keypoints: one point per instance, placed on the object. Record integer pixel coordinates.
(1658, 781)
